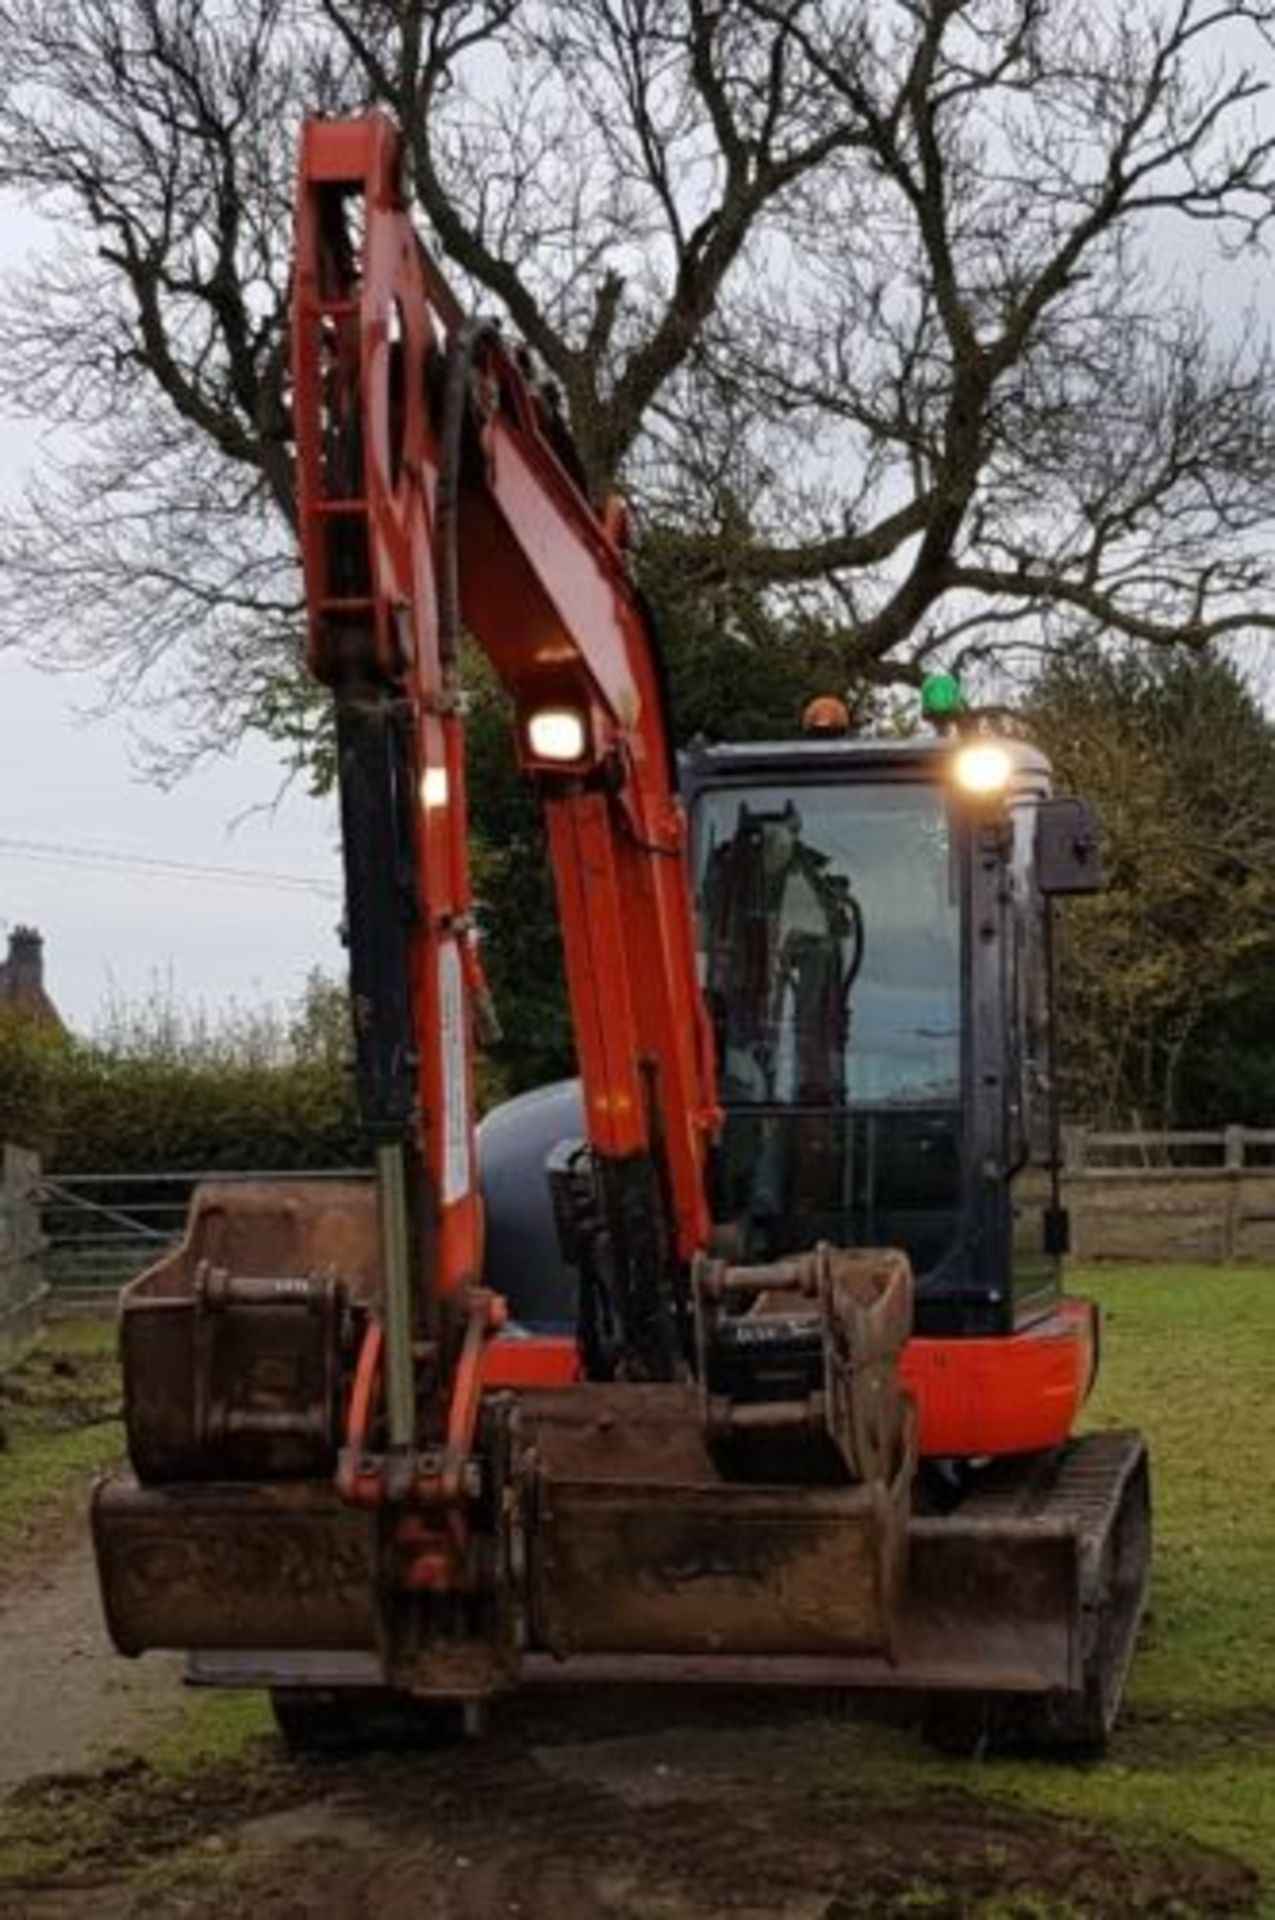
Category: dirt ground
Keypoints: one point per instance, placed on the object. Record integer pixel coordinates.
(621, 1813)
(67, 1700)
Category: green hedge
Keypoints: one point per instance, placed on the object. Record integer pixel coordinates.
(32, 1062)
(156, 1092)
(140, 1116)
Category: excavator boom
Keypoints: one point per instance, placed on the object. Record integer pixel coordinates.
(435, 499)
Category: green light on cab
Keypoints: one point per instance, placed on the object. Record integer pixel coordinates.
(941, 696)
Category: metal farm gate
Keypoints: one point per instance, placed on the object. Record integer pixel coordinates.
(102, 1229)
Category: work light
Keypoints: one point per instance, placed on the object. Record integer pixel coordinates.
(982, 767)
(557, 733)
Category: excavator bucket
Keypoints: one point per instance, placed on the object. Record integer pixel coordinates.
(231, 1534)
(637, 1544)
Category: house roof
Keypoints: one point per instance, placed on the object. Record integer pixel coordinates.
(22, 977)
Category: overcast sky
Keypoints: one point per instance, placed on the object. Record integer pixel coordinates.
(114, 926)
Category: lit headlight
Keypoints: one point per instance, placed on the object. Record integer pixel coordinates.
(434, 788)
(983, 767)
(557, 733)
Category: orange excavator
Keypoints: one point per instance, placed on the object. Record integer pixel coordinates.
(743, 1359)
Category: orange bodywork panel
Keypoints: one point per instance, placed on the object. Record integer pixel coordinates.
(1007, 1393)
(1004, 1394)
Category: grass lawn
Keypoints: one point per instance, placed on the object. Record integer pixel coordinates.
(59, 1422)
(1189, 1357)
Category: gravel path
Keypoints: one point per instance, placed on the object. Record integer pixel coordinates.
(66, 1697)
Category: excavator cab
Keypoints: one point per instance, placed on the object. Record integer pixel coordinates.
(875, 951)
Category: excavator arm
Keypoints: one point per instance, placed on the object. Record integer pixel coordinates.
(437, 496)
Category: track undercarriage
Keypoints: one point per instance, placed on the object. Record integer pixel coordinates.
(612, 1533)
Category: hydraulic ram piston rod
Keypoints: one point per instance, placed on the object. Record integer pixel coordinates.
(400, 1391)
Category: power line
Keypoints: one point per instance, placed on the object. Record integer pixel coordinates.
(106, 859)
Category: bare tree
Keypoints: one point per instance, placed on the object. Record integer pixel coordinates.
(154, 544)
(1042, 433)
(859, 300)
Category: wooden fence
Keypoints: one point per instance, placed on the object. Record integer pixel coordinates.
(22, 1278)
(1171, 1196)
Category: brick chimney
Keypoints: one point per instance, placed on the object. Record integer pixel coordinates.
(22, 977)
